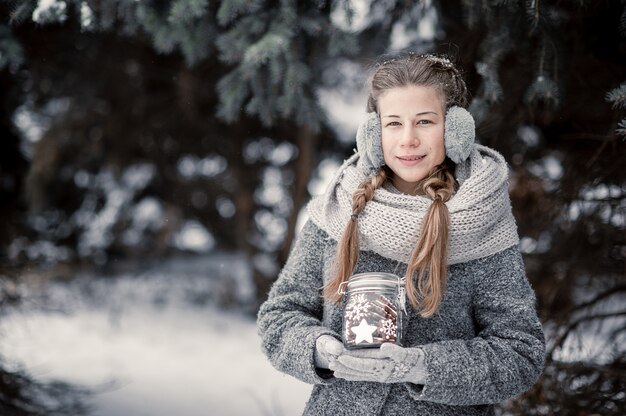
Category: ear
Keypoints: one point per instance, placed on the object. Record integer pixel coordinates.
(459, 134)
(369, 143)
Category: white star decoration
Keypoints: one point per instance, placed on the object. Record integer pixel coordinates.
(363, 332)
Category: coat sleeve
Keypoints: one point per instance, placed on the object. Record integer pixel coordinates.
(290, 321)
(507, 355)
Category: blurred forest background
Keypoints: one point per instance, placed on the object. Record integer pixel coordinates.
(134, 130)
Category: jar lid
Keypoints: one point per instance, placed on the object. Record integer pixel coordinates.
(371, 280)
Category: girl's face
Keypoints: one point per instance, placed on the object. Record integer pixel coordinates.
(412, 120)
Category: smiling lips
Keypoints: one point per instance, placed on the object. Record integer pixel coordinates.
(411, 159)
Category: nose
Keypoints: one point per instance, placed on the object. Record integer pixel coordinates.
(409, 137)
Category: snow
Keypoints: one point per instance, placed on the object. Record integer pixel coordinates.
(193, 236)
(272, 191)
(148, 213)
(187, 166)
(136, 177)
(86, 16)
(154, 342)
(151, 344)
(274, 228)
(49, 10)
(225, 207)
(212, 165)
(405, 33)
(549, 169)
(191, 166)
(361, 17)
(529, 135)
(283, 153)
(592, 199)
(267, 150)
(326, 170)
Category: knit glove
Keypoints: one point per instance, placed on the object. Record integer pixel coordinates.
(327, 349)
(388, 364)
(369, 144)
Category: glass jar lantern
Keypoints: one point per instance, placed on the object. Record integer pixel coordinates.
(373, 310)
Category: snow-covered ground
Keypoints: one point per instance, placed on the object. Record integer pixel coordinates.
(151, 343)
(154, 342)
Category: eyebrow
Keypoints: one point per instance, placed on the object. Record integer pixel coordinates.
(418, 114)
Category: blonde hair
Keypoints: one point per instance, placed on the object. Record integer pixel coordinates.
(427, 265)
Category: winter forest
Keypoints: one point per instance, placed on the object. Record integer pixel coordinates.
(156, 157)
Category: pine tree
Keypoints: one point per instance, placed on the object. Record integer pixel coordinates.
(547, 98)
(196, 82)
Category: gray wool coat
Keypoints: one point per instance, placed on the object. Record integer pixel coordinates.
(484, 345)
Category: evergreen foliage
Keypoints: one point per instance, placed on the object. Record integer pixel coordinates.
(222, 98)
(11, 53)
(274, 60)
(546, 97)
(617, 96)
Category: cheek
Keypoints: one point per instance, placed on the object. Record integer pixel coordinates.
(386, 146)
(440, 151)
(438, 147)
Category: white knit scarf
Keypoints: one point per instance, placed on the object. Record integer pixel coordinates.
(481, 221)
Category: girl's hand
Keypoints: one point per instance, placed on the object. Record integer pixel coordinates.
(327, 349)
(387, 364)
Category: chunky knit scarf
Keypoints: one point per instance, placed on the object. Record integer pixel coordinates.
(481, 221)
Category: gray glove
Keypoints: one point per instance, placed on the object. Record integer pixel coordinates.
(388, 364)
(327, 349)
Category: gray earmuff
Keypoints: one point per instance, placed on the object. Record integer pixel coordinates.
(369, 142)
(459, 134)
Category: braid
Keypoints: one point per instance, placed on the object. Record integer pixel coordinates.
(348, 249)
(429, 257)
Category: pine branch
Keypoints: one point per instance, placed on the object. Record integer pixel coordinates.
(560, 340)
(533, 11)
(617, 96)
(472, 15)
(21, 11)
(229, 10)
(233, 43)
(11, 52)
(233, 91)
(544, 89)
(273, 44)
(479, 108)
(348, 11)
(621, 128)
(492, 91)
(599, 297)
(186, 11)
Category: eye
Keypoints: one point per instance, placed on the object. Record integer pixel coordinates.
(393, 123)
(424, 122)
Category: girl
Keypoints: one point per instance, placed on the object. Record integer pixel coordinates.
(419, 199)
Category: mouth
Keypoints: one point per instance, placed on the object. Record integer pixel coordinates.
(411, 158)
